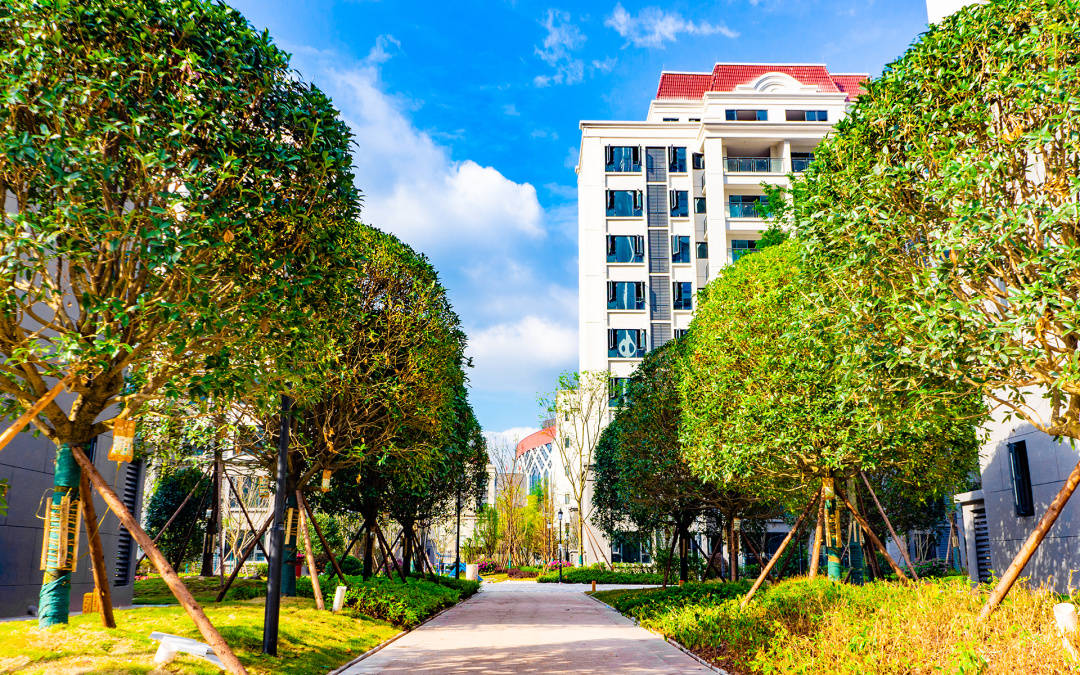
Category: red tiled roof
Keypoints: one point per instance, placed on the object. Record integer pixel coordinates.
(535, 440)
(683, 85)
(727, 76)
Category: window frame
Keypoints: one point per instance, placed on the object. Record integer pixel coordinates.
(1020, 475)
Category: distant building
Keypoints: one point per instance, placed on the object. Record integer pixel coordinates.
(27, 465)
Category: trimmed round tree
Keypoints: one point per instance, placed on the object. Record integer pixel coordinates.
(171, 192)
(945, 208)
(772, 391)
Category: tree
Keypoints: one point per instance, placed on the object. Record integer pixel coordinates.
(945, 206)
(766, 393)
(642, 479)
(173, 485)
(171, 190)
(579, 407)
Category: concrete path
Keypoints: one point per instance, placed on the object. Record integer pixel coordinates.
(525, 627)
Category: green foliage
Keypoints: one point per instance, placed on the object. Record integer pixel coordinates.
(945, 208)
(350, 565)
(585, 575)
(402, 604)
(182, 541)
(821, 626)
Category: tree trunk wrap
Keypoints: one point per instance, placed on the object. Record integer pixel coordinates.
(97, 554)
(288, 557)
(168, 574)
(54, 600)
(857, 566)
(832, 537)
(1034, 539)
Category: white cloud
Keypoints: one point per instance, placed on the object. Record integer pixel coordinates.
(544, 133)
(523, 355)
(412, 186)
(652, 26)
(562, 39)
(511, 110)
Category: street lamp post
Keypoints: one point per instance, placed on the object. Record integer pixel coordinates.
(560, 546)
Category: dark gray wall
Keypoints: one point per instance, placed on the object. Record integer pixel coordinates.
(27, 464)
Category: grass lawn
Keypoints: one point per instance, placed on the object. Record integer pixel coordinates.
(309, 641)
(153, 591)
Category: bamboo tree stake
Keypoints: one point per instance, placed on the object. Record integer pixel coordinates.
(819, 534)
(25, 418)
(318, 530)
(312, 570)
(873, 537)
(168, 574)
(97, 556)
(1034, 539)
(243, 559)
(888, 523)
(780, 551)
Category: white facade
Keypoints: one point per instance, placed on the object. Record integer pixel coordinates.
(665, 203)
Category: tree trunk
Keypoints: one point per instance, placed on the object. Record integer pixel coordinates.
(369, 552)
(1034, 539)
(733, 549)
(671, 554)
(168, 575)
(832, 530)
(819, 532)
(684, 562)
(54, 599)
(97, 555)
(214, 524)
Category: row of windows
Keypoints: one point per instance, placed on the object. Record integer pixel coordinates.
(630, 295)
(630, 248)
(744, 115)
(628, 204)
(627, 159)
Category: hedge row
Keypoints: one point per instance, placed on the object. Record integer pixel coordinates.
(402, 604)
(585, 575)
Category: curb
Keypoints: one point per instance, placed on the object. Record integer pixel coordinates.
(714, 668)
(395, 638)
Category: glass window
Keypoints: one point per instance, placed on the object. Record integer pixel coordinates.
(680, 249)
(618, 393)
(681, 332)
(746, 115)
(622, 158)
(741, 247)
(677, 160)
(699, 205)
(801, 160)
(699, 160)
(626, 343)
(626, 295)
(807, 116)
(623, 203)
(682, 295)
(680, 203)
(1021, 479)
(625, 248)
(703, 250)
(748, 206)
(671, 119)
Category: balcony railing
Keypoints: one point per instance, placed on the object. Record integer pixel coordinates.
(799, 165)
(754, 164)
(746, 210)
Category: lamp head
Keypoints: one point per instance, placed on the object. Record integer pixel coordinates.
(560, 515)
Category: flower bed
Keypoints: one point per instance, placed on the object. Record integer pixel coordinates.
(585, 575)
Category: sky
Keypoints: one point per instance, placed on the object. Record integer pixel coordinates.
(465, 116)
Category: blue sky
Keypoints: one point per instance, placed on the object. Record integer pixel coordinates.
(466, 119)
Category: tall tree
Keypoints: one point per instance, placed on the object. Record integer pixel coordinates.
(171, 191)
(945, 207)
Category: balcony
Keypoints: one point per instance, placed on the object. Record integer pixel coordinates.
(747, 209)
(737, 253)
(754, 164)
(800, 165)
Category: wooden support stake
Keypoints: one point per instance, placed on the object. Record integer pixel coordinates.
(753, 549)
(312, 570)
(1034, 539)
(819, 535)
(168, 574)
(243, 559)
(873, 537)
(388, 552)
(780, 551)
(708, 558)
(97, 555)
(25, 418)
(888, 523)
(322, 539)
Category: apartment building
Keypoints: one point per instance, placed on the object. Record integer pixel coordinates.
(666, 202)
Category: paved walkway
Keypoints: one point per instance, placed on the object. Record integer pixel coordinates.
(525, 627)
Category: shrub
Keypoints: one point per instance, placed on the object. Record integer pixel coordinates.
(648, 602)
(261, 569)
(350, 565)
(402, 604)
(522, 573)
(487, 566)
